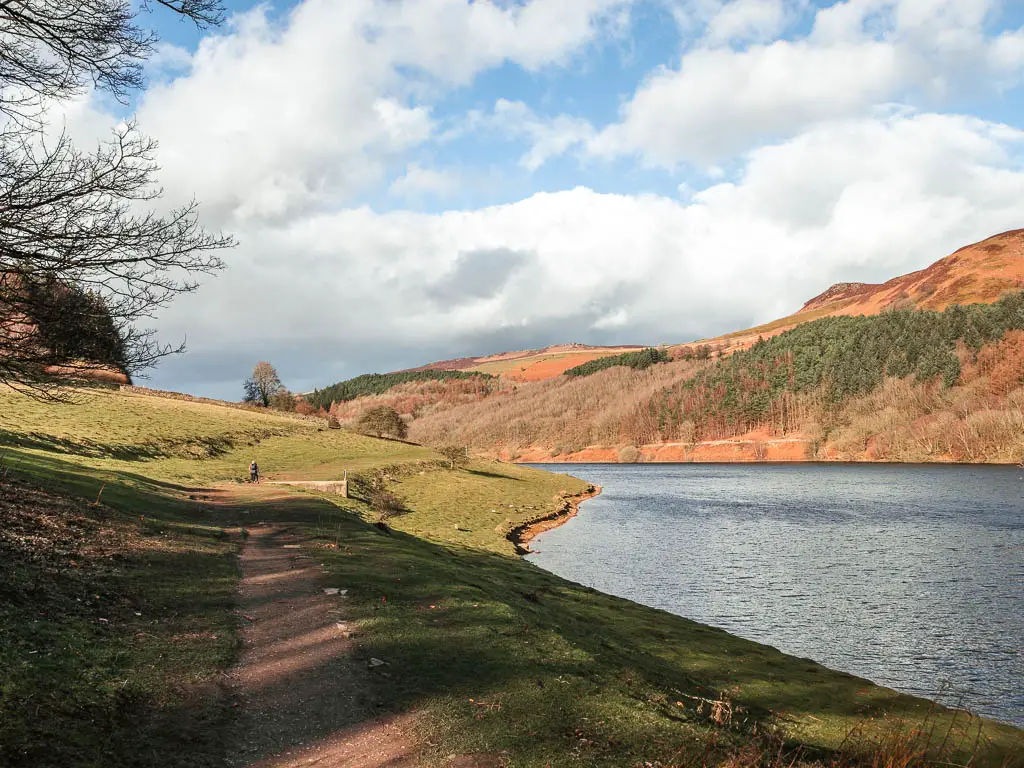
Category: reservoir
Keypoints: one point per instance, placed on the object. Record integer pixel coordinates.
(909, 575)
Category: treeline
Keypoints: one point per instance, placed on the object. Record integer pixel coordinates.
(636, 360)
(378, 383)
(74, 323)
(830, 361)
(46, 322)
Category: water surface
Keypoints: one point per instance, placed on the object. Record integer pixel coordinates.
(911, 576)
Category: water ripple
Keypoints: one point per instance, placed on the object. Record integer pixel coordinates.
(912, 576)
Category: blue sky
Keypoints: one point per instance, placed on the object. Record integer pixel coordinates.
(601, 171)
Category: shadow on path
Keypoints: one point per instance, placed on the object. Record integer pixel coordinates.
(303, 699)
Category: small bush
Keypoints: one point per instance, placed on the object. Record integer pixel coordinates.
(454, 454)
(283, 400)
(386, 503)
(629, 455)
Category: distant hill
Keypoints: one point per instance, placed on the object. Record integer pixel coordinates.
(529, 364)
(978, 273)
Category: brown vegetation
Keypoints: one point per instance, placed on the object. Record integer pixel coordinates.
(416, 398)
(613, 416)
(564, 415)
(978, 273)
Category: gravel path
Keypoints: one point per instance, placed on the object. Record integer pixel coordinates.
(303, 699)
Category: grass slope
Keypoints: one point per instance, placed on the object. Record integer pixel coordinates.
(497, 656)
(112, 629)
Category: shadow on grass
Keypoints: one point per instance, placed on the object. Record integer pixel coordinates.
(127, 492)
(204, 447)
(496, 475)
(105, 630)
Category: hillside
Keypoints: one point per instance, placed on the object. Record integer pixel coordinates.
(907, 376)
(530, 364)
(51, 331)
(978, 273)
(127, 534)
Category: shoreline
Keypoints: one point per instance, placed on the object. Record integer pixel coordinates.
(522, 534)
(740, 450)
(769, 462)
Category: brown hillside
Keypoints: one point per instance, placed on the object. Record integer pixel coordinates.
(528, 364)
(978, 273)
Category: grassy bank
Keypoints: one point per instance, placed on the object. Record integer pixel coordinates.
(498, 657)
(112, 630)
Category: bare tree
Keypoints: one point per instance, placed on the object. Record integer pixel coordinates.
(455, 455)
(74, 222)
(264, 386)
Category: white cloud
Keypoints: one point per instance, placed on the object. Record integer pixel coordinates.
(418, 182)
(860, 53)
(1007, 57)
(747, 20)
(275, 118)
(549, 137)
(853, 200)
(721, 101)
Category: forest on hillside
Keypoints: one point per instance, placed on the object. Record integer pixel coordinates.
(835, 359)
(378, 383)
(906, 384)
(644, 358)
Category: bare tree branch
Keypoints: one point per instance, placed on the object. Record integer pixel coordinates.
(81, 259)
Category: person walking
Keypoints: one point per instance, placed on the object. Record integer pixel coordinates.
(254, 472)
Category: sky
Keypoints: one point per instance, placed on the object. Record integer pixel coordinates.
(412, 180)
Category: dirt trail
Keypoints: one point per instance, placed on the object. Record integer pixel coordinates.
(303, 699)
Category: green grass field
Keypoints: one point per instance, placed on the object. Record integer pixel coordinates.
(497, 656)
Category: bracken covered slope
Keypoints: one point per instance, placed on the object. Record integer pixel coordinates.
(978, 273)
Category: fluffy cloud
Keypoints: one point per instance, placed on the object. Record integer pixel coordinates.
(859, 53)
(549, 137)
(721, 100)
(355, 290)
(277, 118)
(747, 20)
(418, 182)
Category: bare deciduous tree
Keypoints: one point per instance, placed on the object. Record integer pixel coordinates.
(263, 386)
(74, 222)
